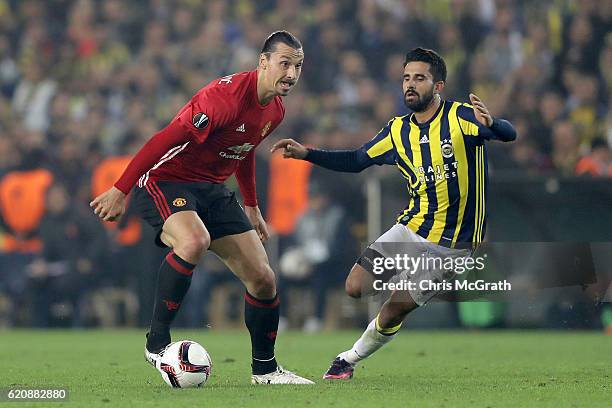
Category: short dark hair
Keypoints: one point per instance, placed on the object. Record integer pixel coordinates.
(281, 36)
(437, 66)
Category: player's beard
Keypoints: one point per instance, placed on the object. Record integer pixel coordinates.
(421, 103)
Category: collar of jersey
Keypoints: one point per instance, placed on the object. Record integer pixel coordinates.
(434, 116)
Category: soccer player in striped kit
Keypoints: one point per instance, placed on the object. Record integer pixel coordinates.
(440, 150)
(179, 175)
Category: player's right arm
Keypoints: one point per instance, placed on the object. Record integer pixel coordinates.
(377, 151)
(110, 205)
(207, 111)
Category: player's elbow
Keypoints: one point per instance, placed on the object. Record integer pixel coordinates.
(511, 137)
(504, 131)
(352, 289)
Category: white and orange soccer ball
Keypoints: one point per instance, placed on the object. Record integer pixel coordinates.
(185, 364)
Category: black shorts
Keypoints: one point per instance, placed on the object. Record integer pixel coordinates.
(214, 203)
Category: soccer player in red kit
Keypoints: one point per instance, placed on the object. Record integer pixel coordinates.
(179, 175)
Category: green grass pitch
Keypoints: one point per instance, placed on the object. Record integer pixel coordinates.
(105, 368)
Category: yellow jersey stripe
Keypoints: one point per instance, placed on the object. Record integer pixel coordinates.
(477, 212)
(482, 194)
(468, 128)
(441, 187)
(396, 135)
(462, 165)
(380, 148)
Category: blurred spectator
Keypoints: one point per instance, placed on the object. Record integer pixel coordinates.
(581, 50)
(455, 57)
(565, 148)
(73, 254)
(551, 108)
(32, 96)
(523, 154)
(584, 107)
(598, 162)
(503, 45)
(321, 255)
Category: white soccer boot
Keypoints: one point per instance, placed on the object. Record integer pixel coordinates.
(280, 376)
(155, 358)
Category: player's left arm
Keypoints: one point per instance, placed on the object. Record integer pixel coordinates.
(478, 121)
(245, 175)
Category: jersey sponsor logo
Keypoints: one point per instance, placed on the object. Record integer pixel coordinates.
(437, 172)
(247, 147)
(265, 129)
(238, 151)
(241, 128)
(200, 120)
(424, 139)
(179, 202)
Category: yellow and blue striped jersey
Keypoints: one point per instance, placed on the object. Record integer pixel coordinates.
(444, 161)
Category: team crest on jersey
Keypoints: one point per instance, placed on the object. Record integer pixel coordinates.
(200, 120)
(265, 129)
(179, 202)
(447, 150)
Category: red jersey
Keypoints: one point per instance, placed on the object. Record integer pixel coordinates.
(212, 137)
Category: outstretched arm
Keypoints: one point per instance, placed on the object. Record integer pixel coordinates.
(351, 161)
(378, 151)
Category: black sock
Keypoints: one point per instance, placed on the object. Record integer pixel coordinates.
(172, 284)
(261, 318)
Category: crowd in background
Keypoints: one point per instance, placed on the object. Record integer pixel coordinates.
(83, 81)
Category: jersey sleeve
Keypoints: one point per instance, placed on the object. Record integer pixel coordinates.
(167, 138)
(245, 175)
(380, 149)
(210, 109)
(500, 129)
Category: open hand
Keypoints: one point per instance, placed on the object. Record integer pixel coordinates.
(480, 111)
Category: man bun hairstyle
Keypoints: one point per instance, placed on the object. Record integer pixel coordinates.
(280, 36)
(437, 66)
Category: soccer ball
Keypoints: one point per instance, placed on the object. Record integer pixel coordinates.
(185, 364)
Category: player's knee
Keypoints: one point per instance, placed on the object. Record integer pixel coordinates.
(192, 245)
(352, 288)
(262, 282)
